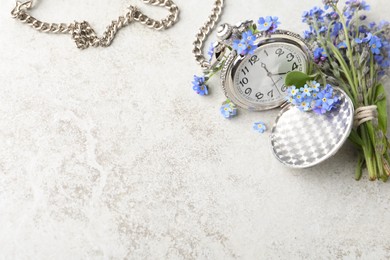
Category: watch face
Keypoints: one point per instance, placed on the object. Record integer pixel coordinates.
(258, 79)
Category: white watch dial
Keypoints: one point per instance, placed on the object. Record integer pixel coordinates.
(259, 79)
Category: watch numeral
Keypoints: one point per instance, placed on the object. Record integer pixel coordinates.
(253, 60)
(244, 81)
(271, 94)
(279, 52)
(259, 95)
(290, 57)
(248, 91)
(295, 66)
(266, 53)
(245, 70)
(284, 88)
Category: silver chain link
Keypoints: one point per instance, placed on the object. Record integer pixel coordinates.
(204, 32)
(83, 34)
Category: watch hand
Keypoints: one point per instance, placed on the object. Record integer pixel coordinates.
(269, 74)
(265, 68)
(279, 74)
(278, 80)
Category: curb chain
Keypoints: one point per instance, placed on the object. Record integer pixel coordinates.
(204, 32)
(83, 34)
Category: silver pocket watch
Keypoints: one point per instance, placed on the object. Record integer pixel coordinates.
(256, 82)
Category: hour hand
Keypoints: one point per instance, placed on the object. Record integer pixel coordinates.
(265, 68)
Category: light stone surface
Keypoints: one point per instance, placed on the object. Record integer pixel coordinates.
(108, 153)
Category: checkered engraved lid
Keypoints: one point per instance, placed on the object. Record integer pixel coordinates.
(305, 139)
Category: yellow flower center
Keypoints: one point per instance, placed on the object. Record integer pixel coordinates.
(265, 24)
(226, 109)
(374, 46)
(324, 100)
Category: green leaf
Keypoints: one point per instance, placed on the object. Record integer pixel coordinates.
(381, 103)
(297, 79)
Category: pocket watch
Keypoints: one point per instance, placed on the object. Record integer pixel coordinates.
(256, 81)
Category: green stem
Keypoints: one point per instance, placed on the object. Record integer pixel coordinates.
(359, 168)
(371, 94)
(368, 154)
(349, 48)
(215, 71)
(345, 69)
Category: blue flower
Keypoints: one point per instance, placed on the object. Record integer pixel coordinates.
(329, 88)
(248, 37)
(363, 17)
(315, 86)
(333, 16)
(372, 25)
(325, 100)
(199, 86)
(299, 98)
(317, 13)
(307, 34)
(293, 91)
(320, 110)
(268, 24)
(337, 27)
(320, 56)
(357, 5)
(305, 16)
(365, 6)
(306, 91)
(375, 44)
(243, 48)
(383, 59)
(306, 104)
(329, 3)
(260, 127)
(314, 97)
(211, 51)
(291, 100)
(228, 109)
(365, 39)
(323, 29)
(245, 45)
(342, 45)
(349, 14)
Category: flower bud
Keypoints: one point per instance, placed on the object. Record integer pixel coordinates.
(379, 135)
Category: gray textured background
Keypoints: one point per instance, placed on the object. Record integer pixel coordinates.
(108, 153)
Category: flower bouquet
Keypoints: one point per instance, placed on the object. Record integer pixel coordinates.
(354, 54)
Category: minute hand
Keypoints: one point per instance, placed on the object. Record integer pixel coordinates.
(279, 74)
(269, 74)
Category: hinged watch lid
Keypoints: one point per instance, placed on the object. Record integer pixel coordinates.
(305, 139)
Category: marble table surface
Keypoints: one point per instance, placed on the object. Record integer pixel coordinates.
(108, 153)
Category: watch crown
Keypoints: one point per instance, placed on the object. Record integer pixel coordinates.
(224, 31)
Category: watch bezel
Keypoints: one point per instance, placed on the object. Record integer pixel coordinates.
(234, 60)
